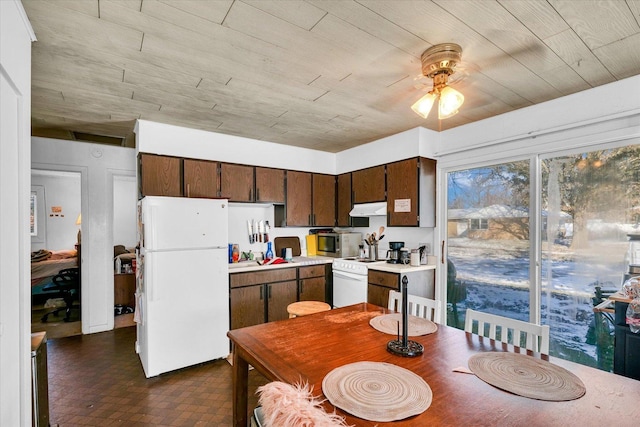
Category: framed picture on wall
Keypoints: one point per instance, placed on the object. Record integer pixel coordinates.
(37, 220)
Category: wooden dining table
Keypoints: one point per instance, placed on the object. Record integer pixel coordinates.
(306, 349)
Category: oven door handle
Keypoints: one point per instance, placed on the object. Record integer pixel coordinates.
(349, 276)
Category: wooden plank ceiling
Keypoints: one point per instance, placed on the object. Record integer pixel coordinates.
(320, 74)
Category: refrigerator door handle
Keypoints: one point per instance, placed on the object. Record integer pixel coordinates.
(150, 282)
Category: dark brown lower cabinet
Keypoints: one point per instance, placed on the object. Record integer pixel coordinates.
(379, 285)
(279, 296)
(247, 306)
(263, 296)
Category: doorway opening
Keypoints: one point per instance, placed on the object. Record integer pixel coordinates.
(56, 250)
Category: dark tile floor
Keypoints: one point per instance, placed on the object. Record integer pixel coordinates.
(97, 380)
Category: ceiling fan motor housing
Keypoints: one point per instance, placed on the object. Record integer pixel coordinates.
(441, 59)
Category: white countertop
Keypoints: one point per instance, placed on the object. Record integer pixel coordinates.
(399, 268)
(248, 266)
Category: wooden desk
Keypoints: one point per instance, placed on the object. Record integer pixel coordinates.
(307, 348)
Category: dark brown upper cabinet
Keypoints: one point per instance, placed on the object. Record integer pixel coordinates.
(160, 175)
(368, 185)
(324, 200)
(236, 182)
(344, 203)
(269, 185)
(298, 203)
(411, 193)
(201, 178)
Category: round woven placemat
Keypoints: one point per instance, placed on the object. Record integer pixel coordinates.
(388, 323)
(377, 391)
(527, 376)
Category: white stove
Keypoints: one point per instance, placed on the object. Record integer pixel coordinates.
(349, 281)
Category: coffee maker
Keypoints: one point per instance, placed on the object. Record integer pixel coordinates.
(393, 254)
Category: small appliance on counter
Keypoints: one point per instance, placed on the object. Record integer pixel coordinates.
(338, 245)
(394, 252)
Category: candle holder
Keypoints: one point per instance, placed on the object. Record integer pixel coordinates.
(405, 347)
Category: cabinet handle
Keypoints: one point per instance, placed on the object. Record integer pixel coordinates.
(269, 291)
(257, 194)
(188, 190)
(314, 218)
(261, 291)
(309, 220)
(302, 287)
(250, 194)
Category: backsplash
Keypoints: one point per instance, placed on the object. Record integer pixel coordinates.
(239, 214)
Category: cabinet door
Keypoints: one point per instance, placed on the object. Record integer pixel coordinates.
(378, 295)
(236, 182)
(402, 193)
(324, 200)
(368, 185)
(298, 198)
(344, 200)
(313, 289)
(124, 289)
(280, 295)
(269, 185)
(200, 178)
(160, 175)
(247, 306)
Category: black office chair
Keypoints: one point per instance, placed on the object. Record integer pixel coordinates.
(65, 285)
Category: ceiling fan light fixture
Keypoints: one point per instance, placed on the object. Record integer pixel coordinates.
(424, 104)
(450, 102)
(438, 63)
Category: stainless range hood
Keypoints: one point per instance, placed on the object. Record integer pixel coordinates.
(369, 209)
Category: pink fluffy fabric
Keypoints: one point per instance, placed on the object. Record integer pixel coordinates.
(286, 405)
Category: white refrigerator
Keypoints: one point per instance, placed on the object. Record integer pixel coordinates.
(182, 292)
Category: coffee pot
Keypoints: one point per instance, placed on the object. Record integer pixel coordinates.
(393, 254)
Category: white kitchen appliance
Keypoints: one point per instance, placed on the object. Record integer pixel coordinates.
(182, 308)
(349, 282)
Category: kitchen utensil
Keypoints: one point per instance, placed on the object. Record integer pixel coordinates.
(380, 232)
(255, 231)
(380, 238)
(267, 228)
(250, 231)
(261, 231)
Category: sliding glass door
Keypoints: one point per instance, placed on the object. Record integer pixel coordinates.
(488, 241)
(588, 203)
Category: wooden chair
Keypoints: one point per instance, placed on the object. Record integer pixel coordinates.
(418, 306)
(510, 331)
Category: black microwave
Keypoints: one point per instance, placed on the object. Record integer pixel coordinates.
(339, 245)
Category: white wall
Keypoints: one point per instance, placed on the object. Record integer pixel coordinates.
(159, 138)
(16, 36)
(605, 113)
(61, 189)
(98, 165)
(125, 198)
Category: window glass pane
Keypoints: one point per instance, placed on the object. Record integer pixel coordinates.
(488, 241)
(590, 202)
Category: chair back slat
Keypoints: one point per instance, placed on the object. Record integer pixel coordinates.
(417, 306)
(536, 337)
